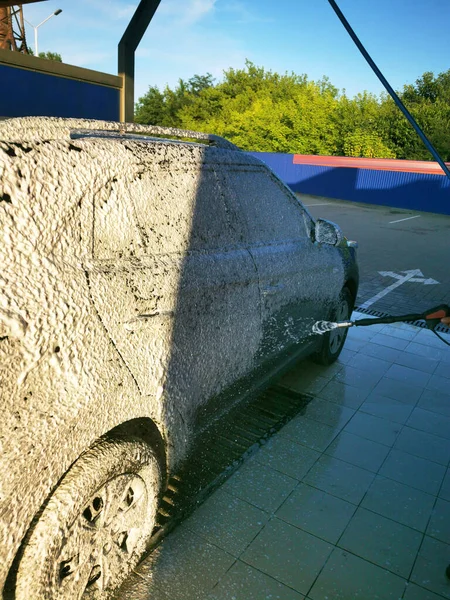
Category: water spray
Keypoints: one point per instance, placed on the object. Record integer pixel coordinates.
(431, 317)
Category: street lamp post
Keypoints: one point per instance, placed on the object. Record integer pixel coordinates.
(54, 14)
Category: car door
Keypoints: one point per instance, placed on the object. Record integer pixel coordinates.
(298, 278)
(181, 307)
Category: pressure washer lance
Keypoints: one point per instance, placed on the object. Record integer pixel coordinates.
(431, 317)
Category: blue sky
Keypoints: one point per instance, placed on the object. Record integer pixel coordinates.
(187, 37)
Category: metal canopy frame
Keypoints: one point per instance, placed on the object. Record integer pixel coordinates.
(127, 47)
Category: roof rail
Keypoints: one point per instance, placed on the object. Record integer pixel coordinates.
(34, 129)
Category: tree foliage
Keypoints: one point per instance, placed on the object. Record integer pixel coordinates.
(261, 110)
(51, 56)
(47, 55)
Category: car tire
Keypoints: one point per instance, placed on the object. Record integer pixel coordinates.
(333, 341)
(95, 526)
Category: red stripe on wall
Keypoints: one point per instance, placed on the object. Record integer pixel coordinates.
(376, 164)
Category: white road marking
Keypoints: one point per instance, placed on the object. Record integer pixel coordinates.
(414, 276)
(407, 219)
(322, 204)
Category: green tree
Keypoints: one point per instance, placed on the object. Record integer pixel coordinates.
(162, 108)
(51, 56)
(47, 55)
(262, 110)
(364, 143)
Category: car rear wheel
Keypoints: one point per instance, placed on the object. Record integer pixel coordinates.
(94, 528)
(334, 340)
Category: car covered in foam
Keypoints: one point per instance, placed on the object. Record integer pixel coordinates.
(150, 278)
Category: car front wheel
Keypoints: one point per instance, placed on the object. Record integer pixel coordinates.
(94, 528)
(334, 340)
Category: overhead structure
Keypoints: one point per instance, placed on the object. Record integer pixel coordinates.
(12, 28)
(4, 3)
(127, 47)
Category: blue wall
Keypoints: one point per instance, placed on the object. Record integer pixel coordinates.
(40, 94)
(413, 191)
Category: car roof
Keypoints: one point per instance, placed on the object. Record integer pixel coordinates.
(36, 129)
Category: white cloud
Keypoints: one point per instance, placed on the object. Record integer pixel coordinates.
(186, 12)
(195, 52)
(242, 12)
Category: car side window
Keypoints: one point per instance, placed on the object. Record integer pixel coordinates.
(115, 234)
(271, 212)
(183, 208)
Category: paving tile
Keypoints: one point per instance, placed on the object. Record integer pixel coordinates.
(428, 338)
(389, 341)
(228, 522)
(414, 471)
(343, 394)
(443, 370)
(312, 387)
(373, 428)
(439, 384)
(444, 492)
(307, 432)
(439, 525)
(427, 351)
(384, 542)
(340, 479)
(420, 363)
(435, 402)
(399, 502)
(329, 413)
(430, 422)
(304, 384)
(383, 352)
(431, 563)
(424, 444)
(355, 345)
(286, 456)
(347, 577)
(391, 388)
(370, 363)
(361, 333)
(317, 512)
(358, 451)
(358, 378)
(414, 592)
(183, 566)
(404, 334)
(288, 554)
(408, 375)
(386, 408)
(345, 355)
(243, 582)
(260, 485)
(445, 354)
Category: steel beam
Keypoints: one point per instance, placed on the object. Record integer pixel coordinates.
(127, 47)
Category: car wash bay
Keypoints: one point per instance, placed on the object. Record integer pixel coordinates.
(351, 498)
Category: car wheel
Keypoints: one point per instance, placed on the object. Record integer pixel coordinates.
(333, 341)
(94, 528)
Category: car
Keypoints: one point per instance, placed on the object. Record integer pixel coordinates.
(151, 277)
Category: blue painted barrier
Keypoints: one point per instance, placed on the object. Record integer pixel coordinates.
(408, 190)
(34, 86)
(40, 94)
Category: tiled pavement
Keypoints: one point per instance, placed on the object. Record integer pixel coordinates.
(350, 500)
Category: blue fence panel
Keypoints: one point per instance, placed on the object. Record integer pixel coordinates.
(40, 94)
(414, 191)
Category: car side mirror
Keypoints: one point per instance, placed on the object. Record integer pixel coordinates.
(327, 232)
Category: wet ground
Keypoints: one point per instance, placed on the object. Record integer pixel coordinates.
(350, 499)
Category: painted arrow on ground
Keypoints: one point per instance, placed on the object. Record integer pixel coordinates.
(413, 276)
